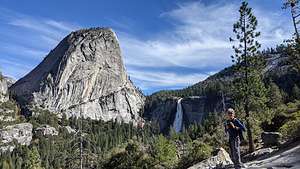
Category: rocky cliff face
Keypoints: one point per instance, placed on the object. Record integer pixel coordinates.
(83, 74)
(3, 89)
(163, 111)
(194, 109)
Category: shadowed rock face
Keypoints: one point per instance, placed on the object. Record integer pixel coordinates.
(164, 111)
(84, 73)
(194, 109)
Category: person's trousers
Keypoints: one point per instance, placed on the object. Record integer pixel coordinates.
(234, 144)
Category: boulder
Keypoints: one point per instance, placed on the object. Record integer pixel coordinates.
(21, 133)
(221, 160)
(69, 129)
(83, 76)
(258, 154)
(271, 139)
(46, 130)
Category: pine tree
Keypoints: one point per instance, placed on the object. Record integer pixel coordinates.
(293, 51)
(249, 90)
(33, 160)
(293, 5)
(274, 96)
(165, 152)
(293, 45)
(295, 93)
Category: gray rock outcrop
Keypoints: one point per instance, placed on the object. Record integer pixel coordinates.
(83, 74)
(21, 133)
(258, 154)
(9, 80)
(3, 89)
(286, 158)
(222, 159)
(46, 130)
(69, 129)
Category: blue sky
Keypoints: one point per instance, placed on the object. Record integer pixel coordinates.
(166, 44)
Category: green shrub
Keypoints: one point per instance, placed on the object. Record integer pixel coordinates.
(42, 117)
(132, 157)
(200, 151)
(291, 129)
(197, 151)
(165, 152)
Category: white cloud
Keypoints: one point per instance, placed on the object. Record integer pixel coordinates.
(38, 26)
(199, 39)
(60, 25)
(148, 80)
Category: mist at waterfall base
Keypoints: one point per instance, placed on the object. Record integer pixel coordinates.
(177, 124)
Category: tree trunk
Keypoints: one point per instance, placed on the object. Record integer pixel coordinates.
(247, 111)
(249, 131)
(293, 11)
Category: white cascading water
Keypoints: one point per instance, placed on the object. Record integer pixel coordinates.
(177, 124)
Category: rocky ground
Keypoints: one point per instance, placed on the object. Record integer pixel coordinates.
(285, 158)
(288, 157)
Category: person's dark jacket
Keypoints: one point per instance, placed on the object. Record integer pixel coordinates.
(233, 132)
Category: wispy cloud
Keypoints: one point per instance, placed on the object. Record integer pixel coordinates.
(198, 39)
(27, 38)
(60, 25)
(27, 52)
(164, 80)
(194, 47)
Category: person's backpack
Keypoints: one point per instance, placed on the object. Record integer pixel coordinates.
(241, 132)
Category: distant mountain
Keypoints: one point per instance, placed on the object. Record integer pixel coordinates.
(83, 74)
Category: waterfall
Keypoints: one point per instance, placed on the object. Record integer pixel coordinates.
(177, 124)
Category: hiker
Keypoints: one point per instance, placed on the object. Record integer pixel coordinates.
(235, 129)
